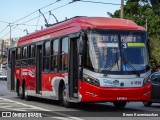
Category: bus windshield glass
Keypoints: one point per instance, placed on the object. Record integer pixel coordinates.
(118, 50)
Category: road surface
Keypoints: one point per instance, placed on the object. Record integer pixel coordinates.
(49, 109)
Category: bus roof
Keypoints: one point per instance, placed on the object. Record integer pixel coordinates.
(76, 24)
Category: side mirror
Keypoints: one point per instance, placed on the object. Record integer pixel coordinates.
(81, 44)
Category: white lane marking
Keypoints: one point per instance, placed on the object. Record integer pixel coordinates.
(61, 118)
(26, 108)
(69, 118)
(26, 105)
(65, 115)
(11, 109)
(5, 106)
(75, 118)
(4, 103)
(34, 107)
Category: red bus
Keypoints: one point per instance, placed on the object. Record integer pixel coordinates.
(82, 59)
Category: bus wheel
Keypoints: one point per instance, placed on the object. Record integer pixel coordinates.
(120, 105)
(27, 98)
(64, 101)
(21, 93)
(147, 104)
(17, 89)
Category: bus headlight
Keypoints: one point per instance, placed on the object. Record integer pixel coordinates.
(92, 81)
(146, 81)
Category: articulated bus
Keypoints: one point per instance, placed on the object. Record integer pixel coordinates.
(82, 59)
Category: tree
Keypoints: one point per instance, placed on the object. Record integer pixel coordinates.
(155, 61)
(156, 6)
(139, 11)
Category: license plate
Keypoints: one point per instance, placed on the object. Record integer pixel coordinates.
(121, 98)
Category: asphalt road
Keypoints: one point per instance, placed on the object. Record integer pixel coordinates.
(49, 109)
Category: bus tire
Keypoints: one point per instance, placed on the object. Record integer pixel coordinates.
(63, 98)
(27, 98)
(21, 93)
(17, 88)
(120, 104)
(147, 104)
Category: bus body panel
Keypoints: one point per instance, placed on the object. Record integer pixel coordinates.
(50, 84)
(30, 77)
(76, 24)
(91, 93)
(46, 82)
(17, 73)
(87, 92)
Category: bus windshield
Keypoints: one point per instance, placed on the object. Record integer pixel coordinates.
(118, 50)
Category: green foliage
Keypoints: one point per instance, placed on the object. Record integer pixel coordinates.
(155, 45)
(139, 13)
(156, 6)
(145, 13)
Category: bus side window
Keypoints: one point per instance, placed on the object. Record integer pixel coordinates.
(87, 62)
(54, 55)
(24, 56)
(46, 56)
(18, 56)
(64, 55)
(31, 60)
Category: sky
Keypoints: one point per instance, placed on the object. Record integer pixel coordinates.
(13, 10)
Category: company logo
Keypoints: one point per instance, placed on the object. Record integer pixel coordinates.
(17, 71)
(116, 82)
(107, 81)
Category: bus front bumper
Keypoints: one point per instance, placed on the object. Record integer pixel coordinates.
(91, 93)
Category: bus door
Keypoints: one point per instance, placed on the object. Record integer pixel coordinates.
(73, 69)
(12, 77)
(38, 68)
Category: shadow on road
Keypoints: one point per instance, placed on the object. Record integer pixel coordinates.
(90, 107)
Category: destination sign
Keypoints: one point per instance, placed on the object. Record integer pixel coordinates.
(135, 44)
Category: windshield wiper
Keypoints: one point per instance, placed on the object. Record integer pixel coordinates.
(128, 63)
(112, 65)
(110, 68)
(134, 70)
